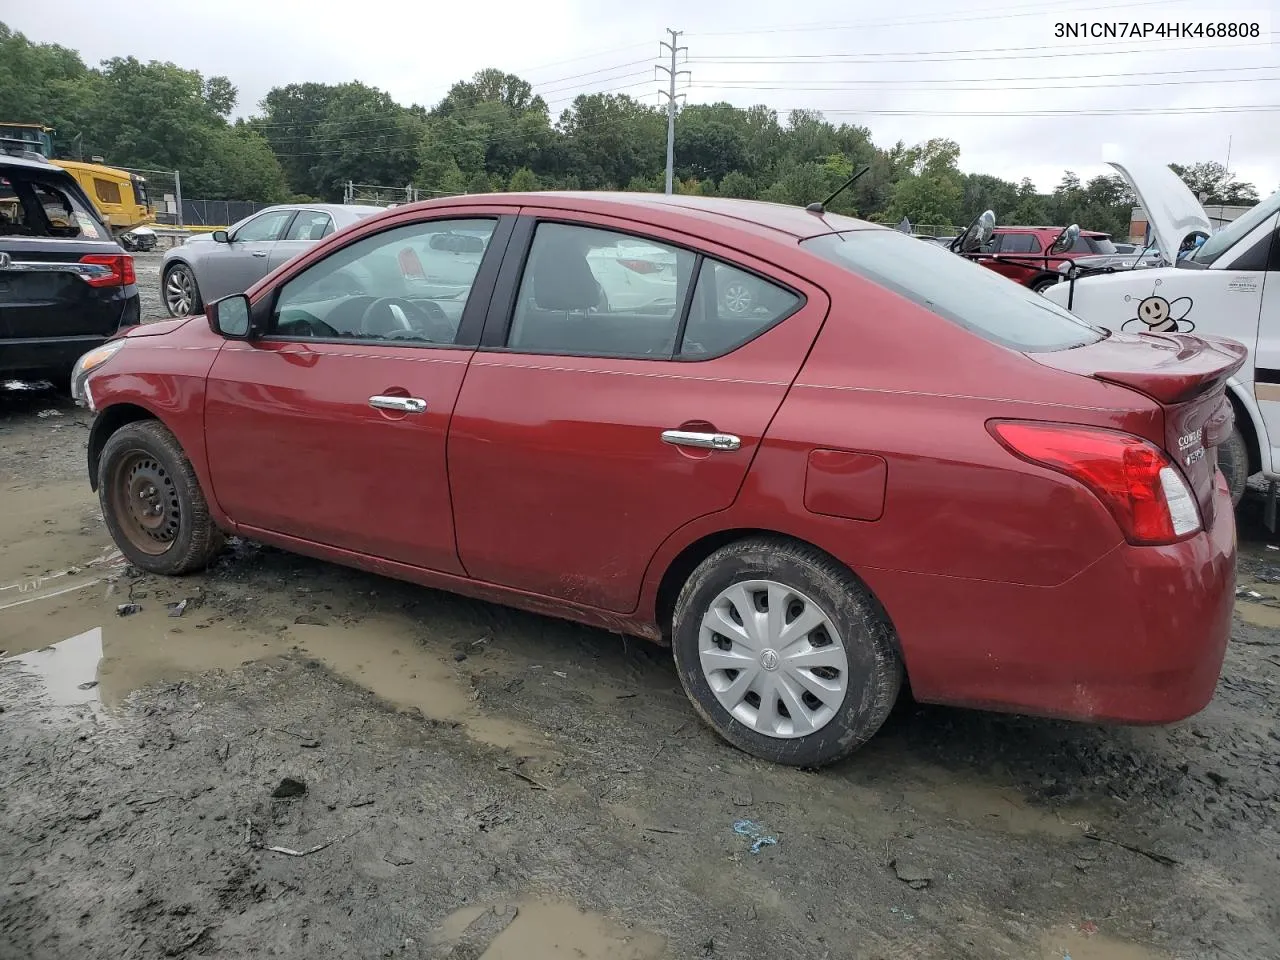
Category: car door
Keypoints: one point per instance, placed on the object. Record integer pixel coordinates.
(235, 266)
(308, 228)
(585, 434)
(331, 428)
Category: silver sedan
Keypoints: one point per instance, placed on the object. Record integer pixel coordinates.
(214, 265)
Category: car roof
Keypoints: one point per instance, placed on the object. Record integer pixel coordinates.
(10, 162)
(755, 214)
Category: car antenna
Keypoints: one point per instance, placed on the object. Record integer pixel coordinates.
(821, 208)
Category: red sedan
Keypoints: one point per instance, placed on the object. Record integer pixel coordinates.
(894, 464)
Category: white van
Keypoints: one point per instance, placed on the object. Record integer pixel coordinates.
(1227, 287)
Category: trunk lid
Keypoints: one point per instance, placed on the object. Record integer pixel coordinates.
(1186, 375)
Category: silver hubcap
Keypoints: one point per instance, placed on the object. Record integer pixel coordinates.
(773, 658)
(737, 298)
(179, 292)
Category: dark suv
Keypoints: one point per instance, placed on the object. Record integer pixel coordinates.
(65, 285)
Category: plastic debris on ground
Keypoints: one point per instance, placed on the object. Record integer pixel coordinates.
(754, 832)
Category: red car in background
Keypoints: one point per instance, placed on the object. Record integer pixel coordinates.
(1033, 256)
(892, 464)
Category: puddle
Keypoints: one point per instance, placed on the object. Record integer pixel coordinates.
(67, 671)
(547, 931)
(54, 584)
(1069, 943)
(995, 808)
(151, 647)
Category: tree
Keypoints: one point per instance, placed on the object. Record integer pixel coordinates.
(1215, 184)
(523, 180)
(610, 139)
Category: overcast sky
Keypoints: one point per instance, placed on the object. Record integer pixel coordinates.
(931, 68)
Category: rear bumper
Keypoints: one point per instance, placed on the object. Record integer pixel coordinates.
(1139, 637)
(30, 356)
(44, 356)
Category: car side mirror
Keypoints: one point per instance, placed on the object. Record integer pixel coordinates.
(221, 236)
(231, 317)
(1066, 239)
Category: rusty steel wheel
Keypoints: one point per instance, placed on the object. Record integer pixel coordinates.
(146, 502)
(152, 501)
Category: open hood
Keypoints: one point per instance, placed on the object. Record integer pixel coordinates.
(1172, 209)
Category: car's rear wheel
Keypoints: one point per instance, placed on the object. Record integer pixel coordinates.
(784, 653)
(181, 292)
(1233, 461)
(152, 502)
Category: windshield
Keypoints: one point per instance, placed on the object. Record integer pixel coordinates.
(957, 289)
(1225, 239)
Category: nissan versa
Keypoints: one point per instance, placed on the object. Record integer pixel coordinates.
(893, 464)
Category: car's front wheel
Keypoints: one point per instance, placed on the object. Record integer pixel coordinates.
(152, 501)
(784, 653)
(1044, 283)
(181, 292)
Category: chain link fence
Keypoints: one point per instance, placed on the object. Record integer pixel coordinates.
(206, 214)
(164, 193)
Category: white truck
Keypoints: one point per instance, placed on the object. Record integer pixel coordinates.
(1229, 286)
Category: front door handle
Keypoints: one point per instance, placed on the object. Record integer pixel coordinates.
(403, 404)
(259, 253)
(708, 441)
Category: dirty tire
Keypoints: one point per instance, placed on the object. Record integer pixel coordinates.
(874, 675)
(197, 540)
(1043, 284)
(1233, 461)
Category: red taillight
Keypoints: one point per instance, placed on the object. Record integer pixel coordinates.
(640, 266)
(1133, 478)
(119, 272)
(410, 265)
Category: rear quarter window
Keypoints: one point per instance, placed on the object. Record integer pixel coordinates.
(41, 207)
(956, 289)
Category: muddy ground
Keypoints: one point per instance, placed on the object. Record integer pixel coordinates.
(471, 782)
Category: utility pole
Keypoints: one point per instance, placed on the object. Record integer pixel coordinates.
(672, 73)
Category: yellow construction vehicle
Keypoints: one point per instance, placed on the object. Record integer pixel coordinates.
(120, 196)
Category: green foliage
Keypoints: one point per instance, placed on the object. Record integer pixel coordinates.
(492, 132)
(1215, 183)
(524, 180)
(133, 114)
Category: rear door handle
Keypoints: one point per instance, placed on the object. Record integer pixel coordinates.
(403, 404)
(259, 253)
(708, 441)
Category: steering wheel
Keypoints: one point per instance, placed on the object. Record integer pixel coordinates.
(305, 325)
(392, 316)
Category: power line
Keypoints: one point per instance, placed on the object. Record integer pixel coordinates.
(1078, 76)
(944, 56)
(1100, 112)
(989, 13)
(747, 85)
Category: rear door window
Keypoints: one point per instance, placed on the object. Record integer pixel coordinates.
(310, 225)
(957, 289)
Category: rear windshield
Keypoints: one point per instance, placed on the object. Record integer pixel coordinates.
(39, 207)
(957, 289)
